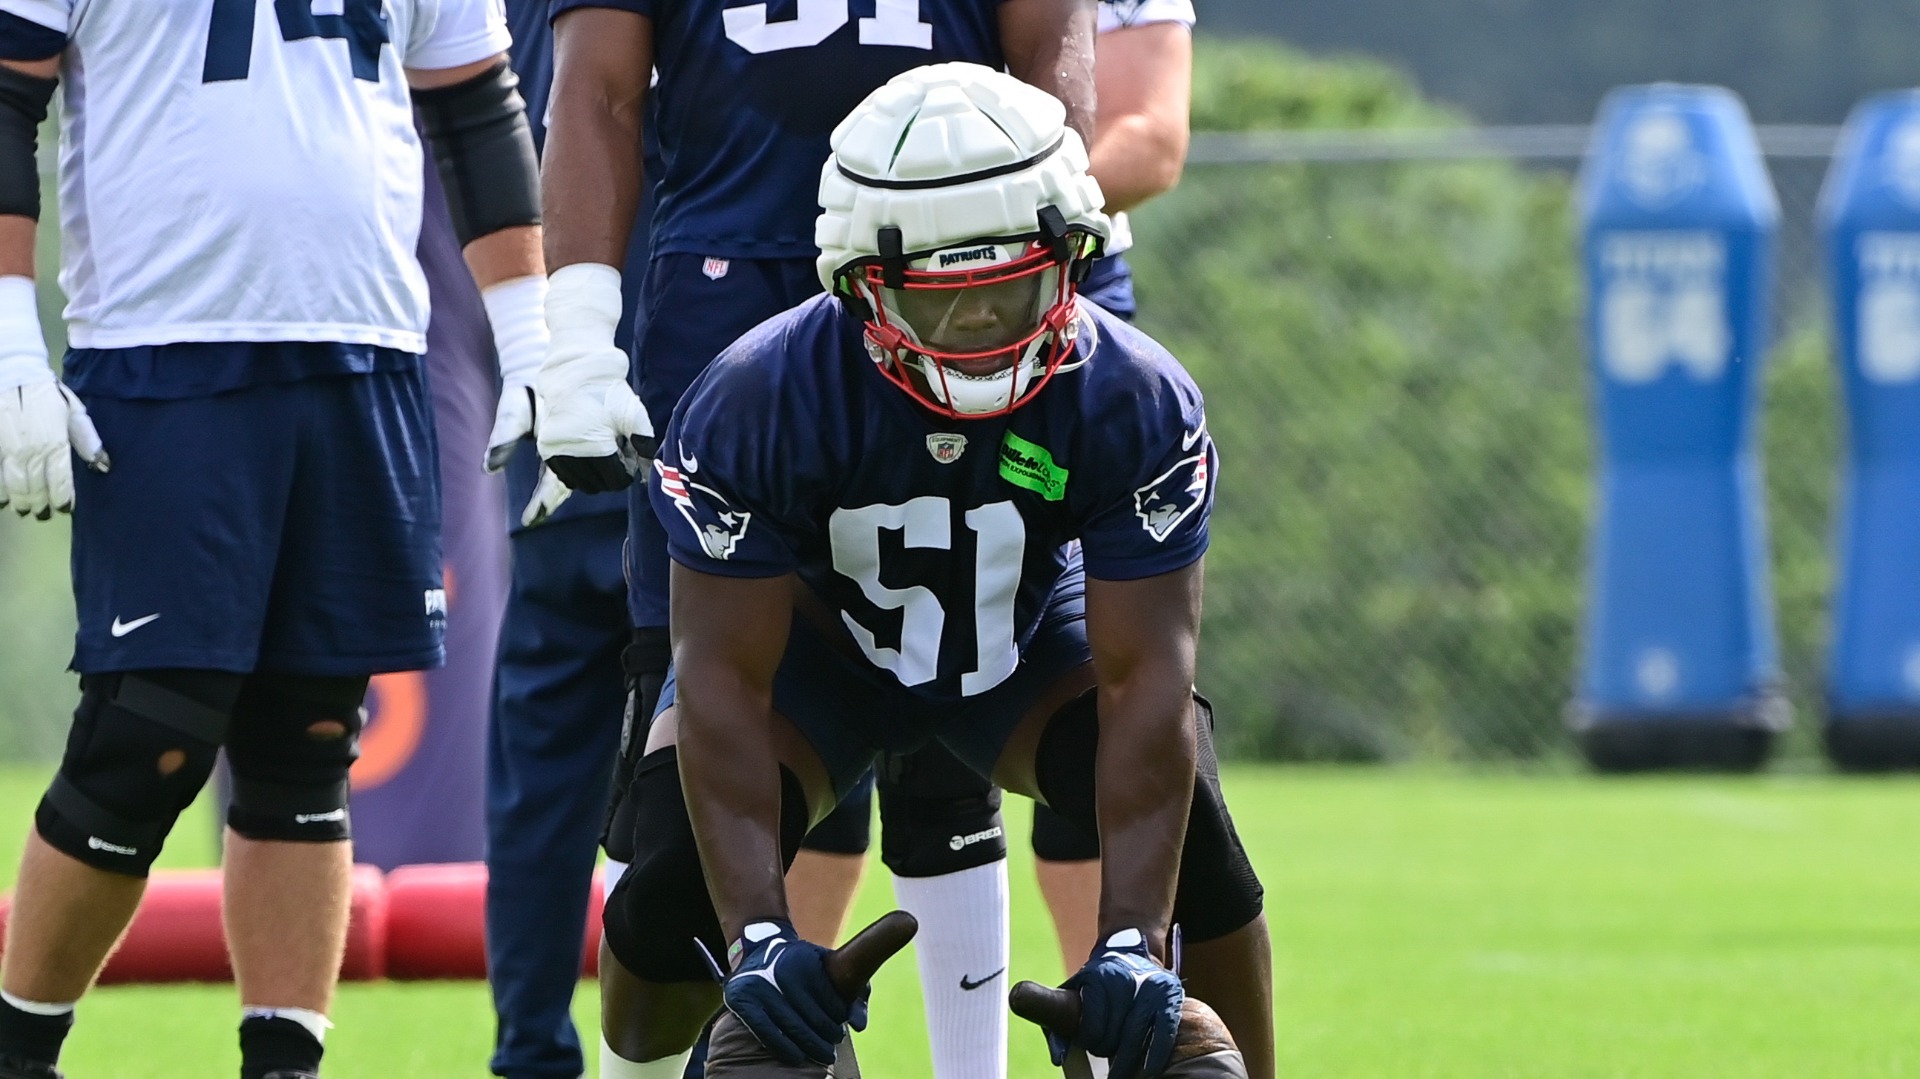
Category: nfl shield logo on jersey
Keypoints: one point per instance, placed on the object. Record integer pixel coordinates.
(714, 268)
(946, 448)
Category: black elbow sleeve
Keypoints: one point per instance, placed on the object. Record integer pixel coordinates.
(23, 105)
(484, 152)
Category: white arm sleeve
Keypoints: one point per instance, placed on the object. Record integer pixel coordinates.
(1117, 14)
(449, 33)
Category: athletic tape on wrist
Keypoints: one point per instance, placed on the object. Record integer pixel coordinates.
(516, 309)
(23, 349)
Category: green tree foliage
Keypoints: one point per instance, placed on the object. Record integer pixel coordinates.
(1395, 382)
(1393, 362)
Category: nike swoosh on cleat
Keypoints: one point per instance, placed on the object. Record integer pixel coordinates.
(121, 629)
(968, 986)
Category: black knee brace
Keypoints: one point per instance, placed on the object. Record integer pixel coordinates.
(294, 739)
(1218, 891)
(849, 828)
(937, 816)
(142, 746)
(661, 907)
(1057, 839)
(645, 661)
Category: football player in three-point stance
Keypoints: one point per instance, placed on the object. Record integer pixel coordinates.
(745, 99)
(240, 196)
(944, 503)
(1143, 70)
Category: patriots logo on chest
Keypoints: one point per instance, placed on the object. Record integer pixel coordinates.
(715, 523)
(1172, 496)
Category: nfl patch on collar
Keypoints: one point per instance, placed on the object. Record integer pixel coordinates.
(946, 447)
(715, 269)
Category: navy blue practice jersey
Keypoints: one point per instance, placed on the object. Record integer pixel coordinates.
(936, 542)
(748, 94)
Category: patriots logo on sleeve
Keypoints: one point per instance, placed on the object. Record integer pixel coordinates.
(1172, 497)
(716, 524)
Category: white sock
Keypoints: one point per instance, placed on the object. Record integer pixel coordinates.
(615, 1066)
(962, 940)
(35, 1007)
(316, 1024)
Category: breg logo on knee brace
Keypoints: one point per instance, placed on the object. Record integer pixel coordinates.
(94, 842)
(962, 842)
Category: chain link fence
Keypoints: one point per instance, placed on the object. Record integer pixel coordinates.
(1387, 325)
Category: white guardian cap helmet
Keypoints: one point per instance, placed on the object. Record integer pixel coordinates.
(958, 220)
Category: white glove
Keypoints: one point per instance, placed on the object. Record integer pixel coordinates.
(40, 419)
(548, 494)
(594, 433)
(516, 309)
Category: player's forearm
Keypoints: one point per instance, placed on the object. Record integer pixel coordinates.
(1144, 76)
(16, 245)
(1049, 44)
(506, 254)
(1144, 635)
(590, 171)
(591, 178)
(731, 778)
(1144, 776)
(1136, 158)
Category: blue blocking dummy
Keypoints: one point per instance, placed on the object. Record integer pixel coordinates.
(1870, 223)
(1679, 665)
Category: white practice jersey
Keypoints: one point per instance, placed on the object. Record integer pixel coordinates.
(248, 170)
(1115, 14)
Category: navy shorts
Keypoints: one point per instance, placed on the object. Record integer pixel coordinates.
(289, 526)
(692, 308)
(851, 711)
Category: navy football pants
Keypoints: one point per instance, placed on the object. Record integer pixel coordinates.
(555, 731)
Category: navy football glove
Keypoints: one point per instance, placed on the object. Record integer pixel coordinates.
(781, 992)
(1129, 1008)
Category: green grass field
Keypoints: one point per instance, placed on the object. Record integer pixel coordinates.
(1425, 925)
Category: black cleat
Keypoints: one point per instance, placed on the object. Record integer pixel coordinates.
(282, 1074)
(13, 1067)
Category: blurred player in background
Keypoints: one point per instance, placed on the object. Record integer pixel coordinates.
(879, 506)
(559, 689)
(744, 105)
(1143, 69)
(241, 195)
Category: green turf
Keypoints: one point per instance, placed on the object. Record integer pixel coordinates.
(1425, 925)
